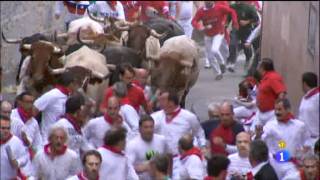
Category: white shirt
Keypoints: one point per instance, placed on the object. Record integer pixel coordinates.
(184, 122)
(52, 106)
(31, 128)
(95, 130)
(137, 150)
(19, 153)
(192, 167)
(76, 141)
(104, 10)
(59, 7)
(186, 8)
(309, 113)
(115, 166)
(59, 168)
(293, 133)
(238, 165)
(130, 116)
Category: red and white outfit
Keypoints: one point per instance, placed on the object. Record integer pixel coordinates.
(52, 106)
(80, 176)
(115, 164)
(238, 165)
(295, 135)
(108, 9)
(215, 17)
(76, 140)
(182, 121)
(75, 9)
(192, 164)
(21, 122)
(96, 128)
(271, 85)
(60, 167)
(19, 153)
(137, 151)
(309, 113)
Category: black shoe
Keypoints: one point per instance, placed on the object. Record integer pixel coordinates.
(219, 77)
(230, 69)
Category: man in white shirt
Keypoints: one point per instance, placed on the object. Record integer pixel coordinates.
(144, 146)
(52, 103)
(94, 131)
(13, 153)
(73, 121)
(115, 164)
(239, 162)
(173, 122)
(285, 133)
(309, 106)
(91, 162)
(107, 9)
(55, 161)
(75, 10)
(192, 160)
(24, 125)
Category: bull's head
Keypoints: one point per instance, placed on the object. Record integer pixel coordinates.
(44, 57)
(137, 36)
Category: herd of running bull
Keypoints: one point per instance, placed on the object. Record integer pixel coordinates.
(93, 48)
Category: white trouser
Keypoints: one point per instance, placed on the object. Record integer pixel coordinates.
(187, 27)
(285, 170)
(262, 118)
(216, 50)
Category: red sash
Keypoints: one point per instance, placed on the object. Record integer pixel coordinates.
(48, 151)
(312, 92)
(173, 115)
(193, 151)
(63, 89)
(5, 140)
(82, 177)
(287, 118)
(24, 115)
(73, 120)
(113, 149)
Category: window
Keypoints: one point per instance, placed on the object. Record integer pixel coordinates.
(312, 29)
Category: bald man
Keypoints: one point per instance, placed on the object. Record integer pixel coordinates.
(240, 164)
(223, 136)
(6, 108)
(96, 128)
(192, 160)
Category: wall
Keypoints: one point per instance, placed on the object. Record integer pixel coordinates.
(21, 19)
(285, 40)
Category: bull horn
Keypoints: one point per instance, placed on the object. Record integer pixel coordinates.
(98, 75)
(84, 42)
(57, 50)
(26, 46)
(111, 66)
(95, 18)
(62, 35)
(157, 35)
(11, 41)
(57, 71)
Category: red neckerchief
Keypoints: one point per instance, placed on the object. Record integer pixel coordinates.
(73, 121)
(63, 89)
(250, 176)
(112, 4)
(226, 134)
(193, 151)
(6, 140)
(24, 115)
(125, 100)
(208, 178)
(82, 177)
(314, 91)
(113, 149)
(48, 151)
(173, 115)
(109, 119)
(287, 118)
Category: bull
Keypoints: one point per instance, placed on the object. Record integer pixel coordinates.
(178, 66)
